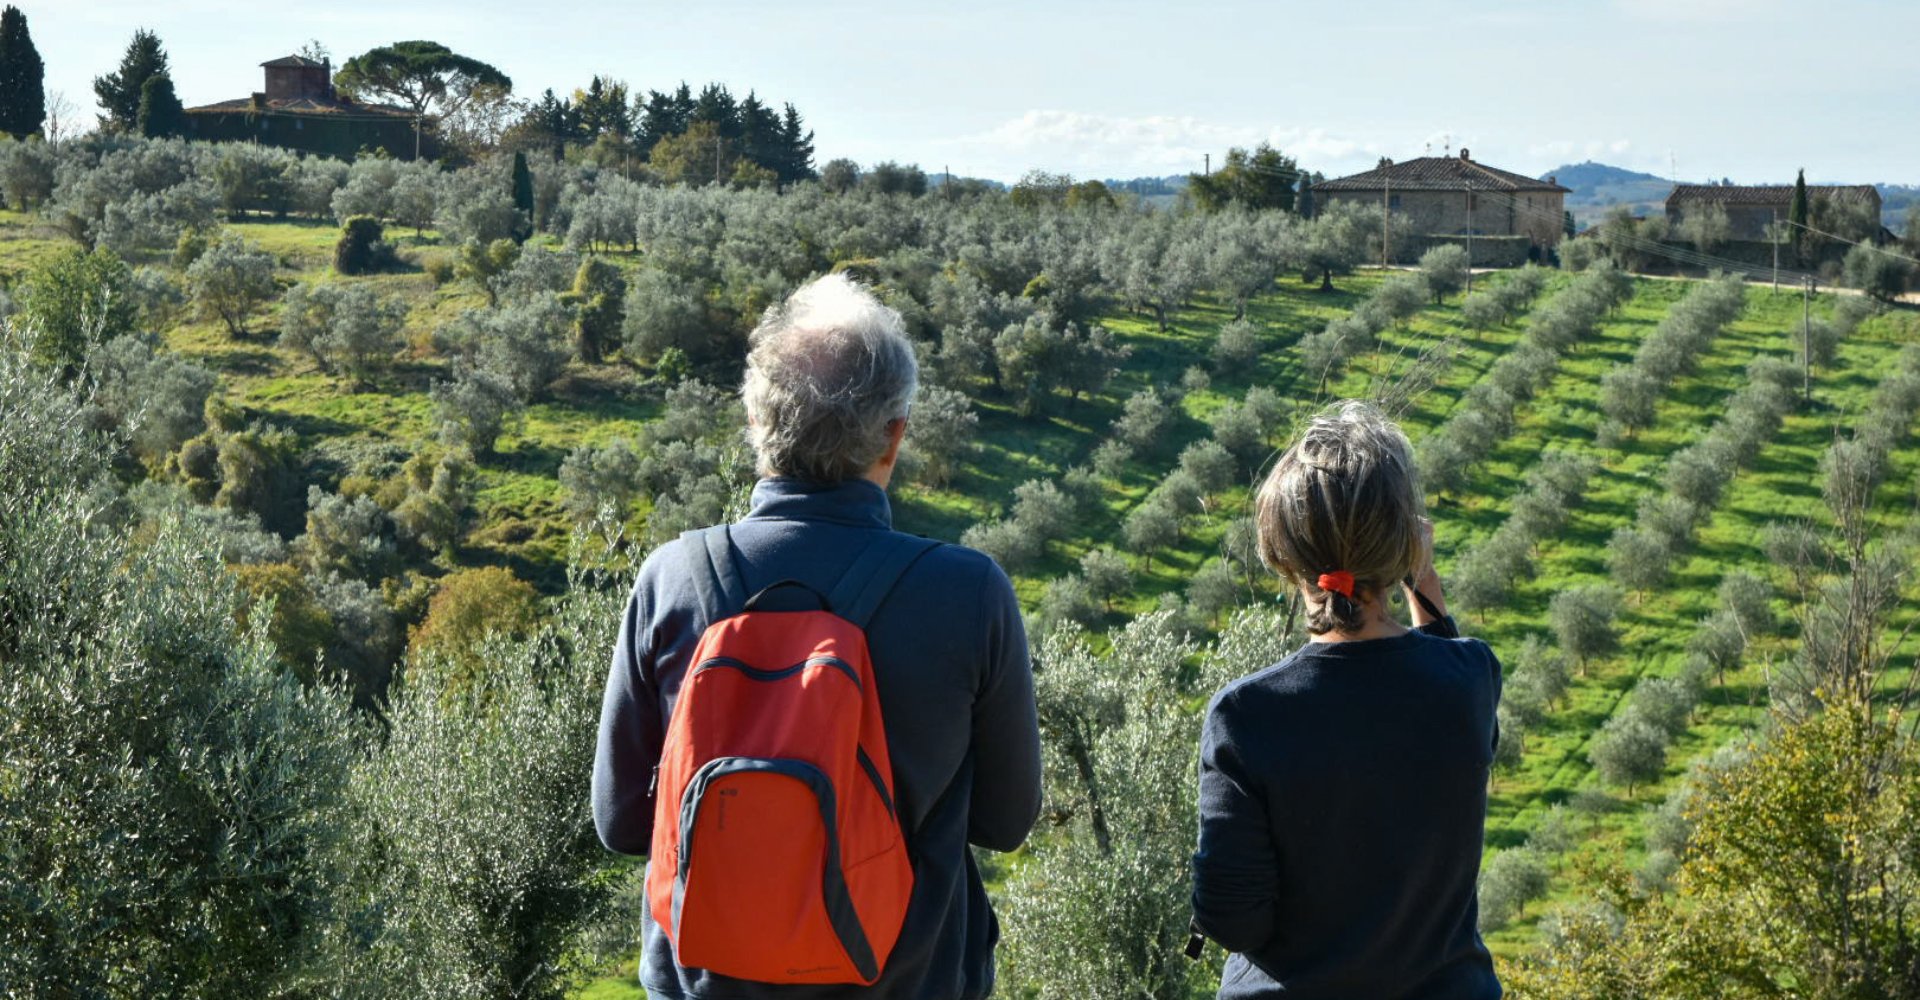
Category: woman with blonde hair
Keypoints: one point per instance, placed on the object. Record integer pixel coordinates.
(1343, 791)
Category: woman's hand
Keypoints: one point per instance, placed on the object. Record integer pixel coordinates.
(1424, 580)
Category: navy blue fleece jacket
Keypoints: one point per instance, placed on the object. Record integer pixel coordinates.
(950, 660)
(1343, 799)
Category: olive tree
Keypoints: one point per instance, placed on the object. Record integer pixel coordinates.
(349, 329)
(1508, 882)
(1445, 267)
(474, 407)
(230, 280)
(1583, 622)
(1629, 750)
(214, 782)
(940, 431)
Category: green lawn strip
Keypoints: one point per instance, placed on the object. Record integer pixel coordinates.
(1779, 485)
(1654, 625)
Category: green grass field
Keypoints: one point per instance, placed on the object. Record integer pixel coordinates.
(517, 520)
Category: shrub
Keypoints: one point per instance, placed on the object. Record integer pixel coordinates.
(362, 247)
(76, 302)
(475, 864)
(203, 851)
(597, 297)
(467, 607)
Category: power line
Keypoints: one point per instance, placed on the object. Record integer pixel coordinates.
(1842, 239)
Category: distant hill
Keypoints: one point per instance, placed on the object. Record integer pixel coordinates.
(1598, 187)
(1895, 201)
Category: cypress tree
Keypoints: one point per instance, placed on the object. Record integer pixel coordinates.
(1797, 215)
(120, 92)
(522, 197)
(23, 96)
(160, 113)
(797, 148)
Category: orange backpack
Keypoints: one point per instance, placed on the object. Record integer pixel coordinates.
(777, 853)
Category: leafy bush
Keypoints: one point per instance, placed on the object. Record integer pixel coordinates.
(201, 857)
(362, 248)
(76, 302)
(467, 607)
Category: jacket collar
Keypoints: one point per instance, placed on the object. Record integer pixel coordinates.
(855, 502)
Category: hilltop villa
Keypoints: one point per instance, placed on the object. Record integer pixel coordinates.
(1443, 198)
(301, 110)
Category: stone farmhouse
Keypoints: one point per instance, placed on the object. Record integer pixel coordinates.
(1751, 209)
(1440, 199)
(300, 110)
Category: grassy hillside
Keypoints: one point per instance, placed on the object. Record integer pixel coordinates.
(517, 520)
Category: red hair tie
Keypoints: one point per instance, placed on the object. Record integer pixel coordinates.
(1339, 582)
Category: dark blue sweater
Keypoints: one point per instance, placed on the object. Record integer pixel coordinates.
(950, 660)
(1343, 799)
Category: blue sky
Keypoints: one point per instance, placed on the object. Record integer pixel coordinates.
(1747, 89)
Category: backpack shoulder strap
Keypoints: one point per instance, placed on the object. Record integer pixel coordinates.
(714, 572)
(875, 570)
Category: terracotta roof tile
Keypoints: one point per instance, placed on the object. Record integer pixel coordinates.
(1438, 173)
(1764, 194)
(303, 106)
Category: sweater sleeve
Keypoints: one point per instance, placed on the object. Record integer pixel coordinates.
(1236, 870)
(1005, 798)
(630, 734)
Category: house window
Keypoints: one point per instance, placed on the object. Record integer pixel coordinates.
(1473, 201)
(298, 125)
(1393, 201)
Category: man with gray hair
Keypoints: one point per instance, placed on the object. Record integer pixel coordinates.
(830, 376)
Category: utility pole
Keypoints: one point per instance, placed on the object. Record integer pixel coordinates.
(947, 188)
(1806, 339)
(1776, 249)
(719, 143)
(1206, 169)
(416, 137)
(1386, 217)
(1469, 236)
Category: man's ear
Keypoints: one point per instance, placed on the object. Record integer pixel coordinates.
(896, 434)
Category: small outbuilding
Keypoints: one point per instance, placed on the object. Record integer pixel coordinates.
(1753, 208)
(301, 110)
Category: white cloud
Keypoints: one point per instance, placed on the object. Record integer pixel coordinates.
(1091, 145)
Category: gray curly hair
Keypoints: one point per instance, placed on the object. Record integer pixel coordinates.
(827, 371)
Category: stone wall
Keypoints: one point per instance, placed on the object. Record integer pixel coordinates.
(342, 136)
(1535, 215)
(1488, 251)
